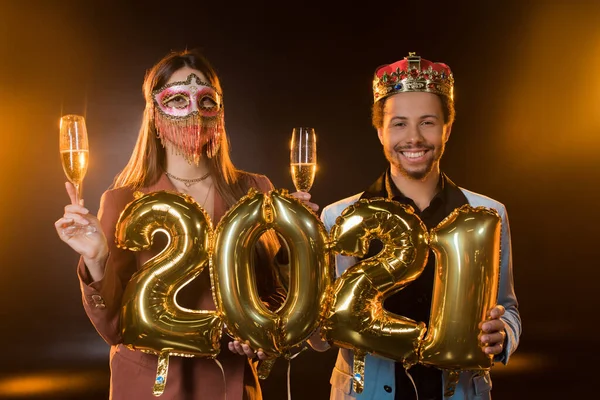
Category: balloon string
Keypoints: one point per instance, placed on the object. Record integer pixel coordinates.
(224, 380)
(289, 386)
(413, 382)
(289, 373)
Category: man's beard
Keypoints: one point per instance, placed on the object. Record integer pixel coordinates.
(394, 158)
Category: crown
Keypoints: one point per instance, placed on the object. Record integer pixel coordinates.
(413, 74)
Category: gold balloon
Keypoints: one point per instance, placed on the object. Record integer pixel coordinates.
(246, 317)
(356, 319)
(151, 319)
(467, 250)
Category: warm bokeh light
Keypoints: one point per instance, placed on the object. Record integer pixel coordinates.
(527, 134)
(51, 383)
(552, 108)
(522, 363)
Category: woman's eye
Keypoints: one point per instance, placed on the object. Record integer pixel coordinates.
(207, 103)
(177, 101)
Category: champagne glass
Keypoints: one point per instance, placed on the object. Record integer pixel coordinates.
(303, 158)
(75, 153)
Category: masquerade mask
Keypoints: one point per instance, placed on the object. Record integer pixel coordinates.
(181, 99)
(189, 114)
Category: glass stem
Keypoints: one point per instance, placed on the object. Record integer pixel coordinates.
(77, 192)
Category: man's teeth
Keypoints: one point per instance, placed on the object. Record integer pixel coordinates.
(413, 154)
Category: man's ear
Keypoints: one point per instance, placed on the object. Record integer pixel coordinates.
(448, 132)
(380, 135)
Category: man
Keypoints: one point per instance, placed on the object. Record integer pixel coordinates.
(413, 112)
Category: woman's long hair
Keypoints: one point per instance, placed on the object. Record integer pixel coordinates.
(148, 159)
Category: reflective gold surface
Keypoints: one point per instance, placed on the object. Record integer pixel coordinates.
(356, 319)
(246, 317)
(467, 249)
(151, 319)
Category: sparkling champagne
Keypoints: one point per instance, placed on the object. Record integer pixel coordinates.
(75, 164)
(303, 175)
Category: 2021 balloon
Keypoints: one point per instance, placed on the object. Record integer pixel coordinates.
(349, 310)
(357, 319)
(467, 251)
(151, 319)
(246, 317)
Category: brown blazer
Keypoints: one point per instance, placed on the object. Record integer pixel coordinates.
(133, 372)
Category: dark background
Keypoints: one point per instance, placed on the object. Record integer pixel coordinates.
(527, 133)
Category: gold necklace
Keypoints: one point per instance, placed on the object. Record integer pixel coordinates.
(207, 193)
(188, 182)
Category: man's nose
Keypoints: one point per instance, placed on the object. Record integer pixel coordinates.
(413, 134)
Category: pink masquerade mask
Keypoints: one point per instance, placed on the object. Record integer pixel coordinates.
(189, 115)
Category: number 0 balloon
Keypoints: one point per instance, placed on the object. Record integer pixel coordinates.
(246, 317)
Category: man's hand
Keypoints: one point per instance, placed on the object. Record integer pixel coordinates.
(304, 197)
(493, 332)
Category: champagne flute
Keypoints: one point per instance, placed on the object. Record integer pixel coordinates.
(303, 158)
(74, 153)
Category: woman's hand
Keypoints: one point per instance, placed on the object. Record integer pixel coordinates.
(244, 349)
(92, 247)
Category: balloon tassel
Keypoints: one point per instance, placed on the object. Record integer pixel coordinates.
(451, 383)
(161, 374)
(358, 373)
(265, 367)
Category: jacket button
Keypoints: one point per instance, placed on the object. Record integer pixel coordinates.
(98, 301)
(387, 388)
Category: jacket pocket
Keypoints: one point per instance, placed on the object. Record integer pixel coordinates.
(482, 385)
(145, 360)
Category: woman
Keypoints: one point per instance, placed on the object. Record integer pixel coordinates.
(181, 146)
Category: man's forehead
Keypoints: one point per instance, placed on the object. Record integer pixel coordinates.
(413, 103)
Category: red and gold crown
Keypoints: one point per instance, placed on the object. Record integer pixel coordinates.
(413, 74)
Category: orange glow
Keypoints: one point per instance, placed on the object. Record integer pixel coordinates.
(522, 363)
(52, 383)
(552, 110)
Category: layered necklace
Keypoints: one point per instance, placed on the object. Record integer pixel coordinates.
(188, 182)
